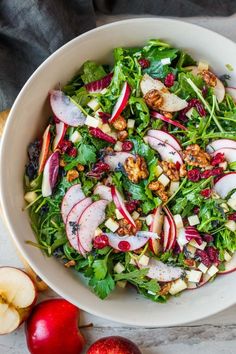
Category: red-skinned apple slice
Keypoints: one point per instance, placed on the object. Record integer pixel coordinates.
(225, 184)
(173, 231)
(121, 102)
(161, 271)
(166, 151)
(60, 133)
(167, 120)
(171, 102)
(156, 226)
(103, 191)
(126, 243)
(90, 219)
(165, 137)
(73, 196)
(120, 205)
(230, 266)
(232, 92)
(72, 222)
(219, 144)
(17, 297)
(117, 159)
(230, 154)
(65, 110)
(166, 233)
(185, 235)
(45, 149)
(50, 174)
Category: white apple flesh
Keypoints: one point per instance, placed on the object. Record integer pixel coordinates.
(104, 192)
(219, 144)
(165, 137)
(117, 159)
(166, 233)
(232, 92)
(131, 243)
(225, 184)
(156, 226)
(73, 196)
(17, 296)
(161, 271)
(166, 151)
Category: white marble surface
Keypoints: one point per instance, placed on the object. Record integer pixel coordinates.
(214, 335)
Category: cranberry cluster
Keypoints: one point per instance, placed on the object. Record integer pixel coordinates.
(67, 147)
(196, 103)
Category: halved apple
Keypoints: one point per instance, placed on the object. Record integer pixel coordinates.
(230, 154)
(120, 205)
(17, 296)
(45, 149)
(161, 271)
(50, 174)
(73, 196)
(165, 137)
(166, 151)
(117, 159)
(103, 191)
(219, 144)
(225, 184)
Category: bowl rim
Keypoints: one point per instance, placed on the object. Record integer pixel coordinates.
(3, 201)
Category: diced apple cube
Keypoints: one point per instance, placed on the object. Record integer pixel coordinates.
(232, 203)
(132, 261)
(212, 270)
(194, 276)
(193, 220)
(149, 219)
(121, 283)
(75, 137)
(223, 165)
(106, 128)
(119, 216)
(135, 215)
(111, 225)
(174, 186)
(189, 113)
(118, 146)
(130, 123)
(227, 256)
(93, 104)
(30, 197)
(191, 249)
(231, 225)
(98, 231)
(163, 179)
(119, 268)
(225, 207)
(177, 286)
(202, 268)
(144, 260)
(165, 61)
(178, 221)
(203, 65)
(92, 121)
(158, 171)
(196, 245)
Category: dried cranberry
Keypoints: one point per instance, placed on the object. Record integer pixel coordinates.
(194, 175)
(232, 216)
(100, 241)
(56, 120)
(144, 63)
(218, 158)
(164, 127)
(203, 257)
(213, 254)
(217, 171)
(98, 169)
(124, 246)
(65, 145)
(131, 205)
(98, 133)
(72, 152)
(206, 193)
(196, 210)
(169, 80)
(177, 165)
(194, 102)
(207, 238)
(104, 116)
(206, 174)
(127, 146)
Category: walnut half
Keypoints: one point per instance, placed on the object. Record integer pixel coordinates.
(136, 168)
(154, 99)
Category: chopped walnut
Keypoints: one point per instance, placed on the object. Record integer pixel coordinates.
(167, 114)
(62, 163)
(120, 123)
(209, 78)
(154, 99)
(182, 170)
(165, 289)
(72, 175)
(159, 190)
(80, 167)
(125, 228)
(136, 168)
(69, 264)
(170, 170)
(190, 263)
(195, 156)
(122, 135)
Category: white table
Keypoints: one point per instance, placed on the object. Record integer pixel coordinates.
(214, 335)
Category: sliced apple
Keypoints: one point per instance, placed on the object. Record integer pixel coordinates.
(65, 110)
(72, 223)
(104, 192)
(50, 174)
(205, 279)
(17, 296)
(173, 230)
(120, 205)
(232, 92)
(161, 271)
(166, 233)
(185, 235)
(219, 144)
(73, 195)
(165, 137)
(156, 226)
(225, 184)
(60, 133)
(126, 243)
(171, 102)
(90, 219)
(230, 266)
(121, 102)
(219, 89)
(45, 149)
(165, 119)
(166, 151)
(117, 159)
(230, 154)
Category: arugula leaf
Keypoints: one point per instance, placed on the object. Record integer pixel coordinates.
(92, 72)
(86, 155)
(104, 287)
(139, 279)
(141, 112)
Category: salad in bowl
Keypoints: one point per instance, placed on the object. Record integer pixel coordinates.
(133, 181)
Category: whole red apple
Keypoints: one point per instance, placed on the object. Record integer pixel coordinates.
(113, 345)
(52, 328)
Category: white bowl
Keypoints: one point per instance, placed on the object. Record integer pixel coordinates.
(27, 120)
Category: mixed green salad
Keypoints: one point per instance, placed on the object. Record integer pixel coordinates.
(133, 181)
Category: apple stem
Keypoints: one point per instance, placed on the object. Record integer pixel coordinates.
(89, 325)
